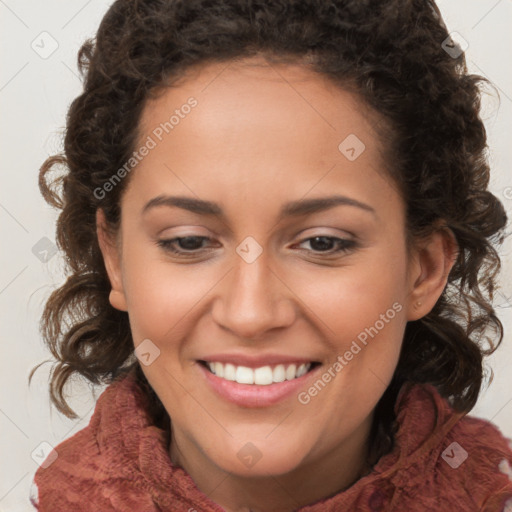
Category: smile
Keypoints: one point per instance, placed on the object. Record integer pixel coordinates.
(260, 386)
(262, 376)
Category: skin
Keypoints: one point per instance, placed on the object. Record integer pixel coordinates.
(260, 136)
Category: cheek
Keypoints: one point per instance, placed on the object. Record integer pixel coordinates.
(361, 313)
(352, 298)
(160, 294)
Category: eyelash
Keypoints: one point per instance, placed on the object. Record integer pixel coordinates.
(344, 245)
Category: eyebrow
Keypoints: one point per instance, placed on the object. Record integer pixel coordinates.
(291, 209)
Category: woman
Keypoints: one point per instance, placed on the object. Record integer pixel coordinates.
(276, 219)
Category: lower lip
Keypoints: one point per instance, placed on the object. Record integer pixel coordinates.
(253, 395)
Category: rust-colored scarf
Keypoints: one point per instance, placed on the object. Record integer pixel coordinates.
(120, 463)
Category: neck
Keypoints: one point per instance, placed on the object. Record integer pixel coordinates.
(321, 476)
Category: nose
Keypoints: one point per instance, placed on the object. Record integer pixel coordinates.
(253, 300)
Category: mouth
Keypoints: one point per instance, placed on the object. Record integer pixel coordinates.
(260, 386)
(260, 376)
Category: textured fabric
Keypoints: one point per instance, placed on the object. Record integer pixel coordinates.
(120, 463)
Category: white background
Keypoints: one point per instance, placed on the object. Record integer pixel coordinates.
(34, 96)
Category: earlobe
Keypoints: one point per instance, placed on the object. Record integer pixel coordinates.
(117, 300)
(112, 260)
(434, 260)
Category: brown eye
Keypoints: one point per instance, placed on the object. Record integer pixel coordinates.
(325, 244)
(184, 244)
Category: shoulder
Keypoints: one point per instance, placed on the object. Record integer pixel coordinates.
(477, 454)
(449, 457)
(73, 464)
(83, 472)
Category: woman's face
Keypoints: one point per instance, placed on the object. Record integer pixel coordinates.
(249, 165)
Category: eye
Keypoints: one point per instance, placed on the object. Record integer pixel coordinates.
(193, 245)
(190, 245)
(324, 244)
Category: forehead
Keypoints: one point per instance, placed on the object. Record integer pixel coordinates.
(252, 94)
(253, 124)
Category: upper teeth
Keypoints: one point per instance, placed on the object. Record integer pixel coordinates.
(262, 376)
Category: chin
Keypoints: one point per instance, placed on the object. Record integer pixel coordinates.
(258, 459)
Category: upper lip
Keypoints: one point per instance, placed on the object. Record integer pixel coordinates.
(256, 361)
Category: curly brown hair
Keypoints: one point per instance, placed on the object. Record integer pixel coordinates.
(390, 54)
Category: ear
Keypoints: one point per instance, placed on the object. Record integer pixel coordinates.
(112, 259)
(431, 263)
